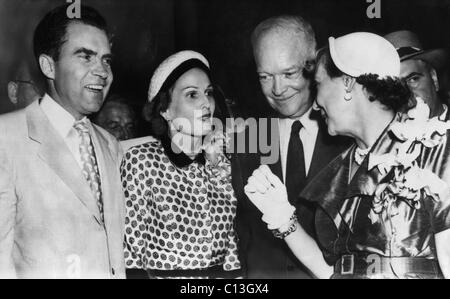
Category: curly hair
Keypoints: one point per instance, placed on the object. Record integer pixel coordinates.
(389, 91)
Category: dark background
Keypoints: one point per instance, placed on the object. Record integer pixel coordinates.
(147, 31)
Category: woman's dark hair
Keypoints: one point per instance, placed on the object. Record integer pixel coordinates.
(152, 113)
(389, 91)
(152, 110)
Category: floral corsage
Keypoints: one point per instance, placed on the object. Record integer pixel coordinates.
(405, 179)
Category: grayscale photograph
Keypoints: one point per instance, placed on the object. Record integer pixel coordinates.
(224, 145)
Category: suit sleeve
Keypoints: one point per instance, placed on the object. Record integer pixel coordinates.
(8, 203)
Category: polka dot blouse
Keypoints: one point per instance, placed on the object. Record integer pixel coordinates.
(180, 213)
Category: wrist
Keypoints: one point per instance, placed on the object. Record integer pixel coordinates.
(279, 216)
(286, 229)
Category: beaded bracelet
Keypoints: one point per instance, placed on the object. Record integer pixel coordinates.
(292, 228)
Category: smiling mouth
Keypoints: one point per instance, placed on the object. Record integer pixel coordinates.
(282, 100)
(206, 116)
(97, 88)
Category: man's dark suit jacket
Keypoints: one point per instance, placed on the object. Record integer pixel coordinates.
(262, 255)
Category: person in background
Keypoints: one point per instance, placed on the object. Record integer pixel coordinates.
(25, 85)
(61, 203)
(419, 69)
(180, 202)
(117, 117)
(385, 202)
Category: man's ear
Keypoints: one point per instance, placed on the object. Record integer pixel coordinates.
(12, 92)
(47, 65)
(349, 82)
(434, 76)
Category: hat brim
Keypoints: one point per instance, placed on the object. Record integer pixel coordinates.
(437, 58)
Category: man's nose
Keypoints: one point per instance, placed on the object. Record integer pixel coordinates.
(102, 70)
(122, 134)
(279, 86)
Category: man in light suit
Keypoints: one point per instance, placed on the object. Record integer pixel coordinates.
(61, 203)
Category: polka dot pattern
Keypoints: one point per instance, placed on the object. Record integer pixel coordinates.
(177, 218)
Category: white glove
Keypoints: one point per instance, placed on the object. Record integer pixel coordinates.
(269, 195)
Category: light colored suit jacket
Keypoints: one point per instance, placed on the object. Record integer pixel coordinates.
(50, 223)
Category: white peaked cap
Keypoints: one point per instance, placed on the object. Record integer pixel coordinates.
(360, 53)
(168, 66)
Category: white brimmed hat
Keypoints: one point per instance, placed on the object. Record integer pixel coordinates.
(168, 66)
(360, 53)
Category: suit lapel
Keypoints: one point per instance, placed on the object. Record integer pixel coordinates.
(329, 187)
(275, 167)
(55, 153)
(326, 149)
(320, 156)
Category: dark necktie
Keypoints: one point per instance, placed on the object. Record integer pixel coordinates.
(295, 164)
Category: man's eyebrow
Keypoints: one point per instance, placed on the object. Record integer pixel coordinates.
(412, 75)
(292, 69)
(85, 51)
(92, 53)
(108, 56)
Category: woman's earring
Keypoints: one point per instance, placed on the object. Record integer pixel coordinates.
(171, 124)
(348, 95)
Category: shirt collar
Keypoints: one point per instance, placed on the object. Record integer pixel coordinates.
(59, 118)
(443, 116)
(179, 159)
(309, 124)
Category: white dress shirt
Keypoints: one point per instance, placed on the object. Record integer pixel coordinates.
(308, 135)
(443, 115)
(62, 121)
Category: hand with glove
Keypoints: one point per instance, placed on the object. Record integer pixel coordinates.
(269, 195)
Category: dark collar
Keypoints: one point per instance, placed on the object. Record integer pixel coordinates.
(179, 159)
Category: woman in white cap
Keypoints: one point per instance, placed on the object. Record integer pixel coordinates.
(180, 203)
(384, 202)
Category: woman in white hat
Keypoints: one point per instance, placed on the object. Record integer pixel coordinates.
(180, 202)
(384, 202)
